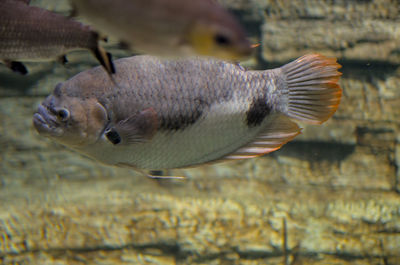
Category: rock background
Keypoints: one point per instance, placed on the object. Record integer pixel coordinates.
(329, 197)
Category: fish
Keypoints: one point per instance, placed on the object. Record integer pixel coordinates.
(29, 33)
(168, 28)
(182, 113)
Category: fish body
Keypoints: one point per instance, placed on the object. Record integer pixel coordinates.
(29, 33)
(172, 114)
(171, 28)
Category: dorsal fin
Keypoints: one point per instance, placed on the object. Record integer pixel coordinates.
(279, 131)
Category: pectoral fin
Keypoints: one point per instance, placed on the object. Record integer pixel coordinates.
(136, 128)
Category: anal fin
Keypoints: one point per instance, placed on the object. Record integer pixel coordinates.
(279, 131)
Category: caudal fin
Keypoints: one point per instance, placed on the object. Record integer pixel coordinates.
(313, 89)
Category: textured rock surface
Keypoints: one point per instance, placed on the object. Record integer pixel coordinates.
(351, 30)
(336, 186)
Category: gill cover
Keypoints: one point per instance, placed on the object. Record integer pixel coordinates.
(74, 121)
(88, 119)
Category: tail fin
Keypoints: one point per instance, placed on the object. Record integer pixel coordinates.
(313, 90)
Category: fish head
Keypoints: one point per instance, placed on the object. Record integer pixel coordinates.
(70, 120)
(221, 36)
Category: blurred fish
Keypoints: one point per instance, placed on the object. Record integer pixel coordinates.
(29, 33)
(171, 28)
(172, 114)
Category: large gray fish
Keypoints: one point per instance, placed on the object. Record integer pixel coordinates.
(29, 33)
(172, 28)
(172, 114)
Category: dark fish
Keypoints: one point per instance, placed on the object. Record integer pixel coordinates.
(29, 33)
(171, 114)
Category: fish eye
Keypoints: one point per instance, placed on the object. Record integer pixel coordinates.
(63, 114)
(221, 39)
(113, 136)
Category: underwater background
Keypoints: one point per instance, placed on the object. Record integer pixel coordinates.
(331, 196)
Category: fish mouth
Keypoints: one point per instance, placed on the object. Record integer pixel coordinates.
(46, 123)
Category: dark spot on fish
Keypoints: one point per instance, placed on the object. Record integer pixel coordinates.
(259, 109)
(181, 121)
(113, 136)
